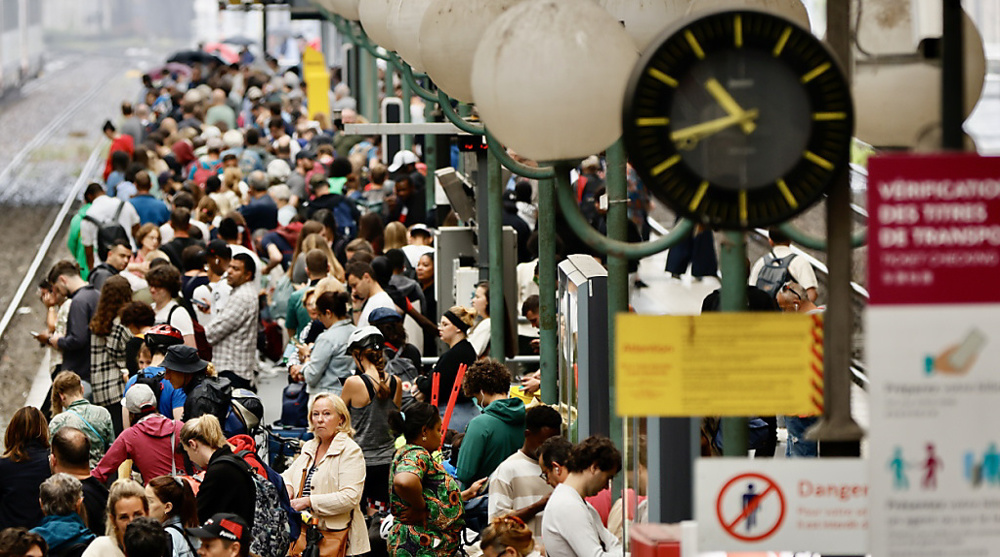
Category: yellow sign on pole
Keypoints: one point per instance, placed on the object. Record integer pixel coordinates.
(317, 79)
(719, 364)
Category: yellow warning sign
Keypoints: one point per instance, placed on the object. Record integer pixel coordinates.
(719, 364)
(317, 79)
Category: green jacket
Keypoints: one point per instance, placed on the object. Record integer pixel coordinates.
(94, 421)
(490, 438)
(74, 243)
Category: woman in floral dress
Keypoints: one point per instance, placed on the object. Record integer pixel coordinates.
(426, 503)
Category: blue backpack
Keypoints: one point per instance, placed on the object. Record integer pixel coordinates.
(295, 405)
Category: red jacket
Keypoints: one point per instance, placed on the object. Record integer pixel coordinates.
(121, 143)
(148, 444)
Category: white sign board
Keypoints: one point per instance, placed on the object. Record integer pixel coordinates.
(933, 327)
(782, 505)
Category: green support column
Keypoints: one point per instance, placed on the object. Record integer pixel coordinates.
(548, 334)
(495, 223)
(734, 298)
(407, 118)
(430, 158)
(368, 74)
(617, 190)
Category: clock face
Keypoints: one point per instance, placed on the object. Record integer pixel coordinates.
(738, 119)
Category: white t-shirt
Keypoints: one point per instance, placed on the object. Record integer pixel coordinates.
(480, 335)
(215, 295)
(572, 527)
(257, 279)
(103, 209)
(380, 300)
(180, 320)
(517, 484)
(799, 268)
(167, 231)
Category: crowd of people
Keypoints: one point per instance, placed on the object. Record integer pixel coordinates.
(234, 234)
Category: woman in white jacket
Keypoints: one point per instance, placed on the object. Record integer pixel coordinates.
(328, 478)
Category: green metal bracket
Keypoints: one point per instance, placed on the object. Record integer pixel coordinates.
(534, 173)
(409, 78)
(802, 238)
(600, 242)
(444, 101)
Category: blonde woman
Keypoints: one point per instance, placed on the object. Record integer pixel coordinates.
(328, 479)
(126, 502)
(228, 486)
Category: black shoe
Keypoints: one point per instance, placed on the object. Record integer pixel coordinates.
(640, 284)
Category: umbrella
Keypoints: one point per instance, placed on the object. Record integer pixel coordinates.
(240, 41)
(190, 57)
(223, 51)
(171, 68)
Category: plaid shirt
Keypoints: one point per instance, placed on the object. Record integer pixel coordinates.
(233, 333)
(107, 360)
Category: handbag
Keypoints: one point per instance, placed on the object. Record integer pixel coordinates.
(314, 541)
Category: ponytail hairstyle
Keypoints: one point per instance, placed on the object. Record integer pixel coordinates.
(177, 492)
(508, 531)
(411, 424)
(376, 357)
(334, 302)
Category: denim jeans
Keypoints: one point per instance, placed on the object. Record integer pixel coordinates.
(797, 445)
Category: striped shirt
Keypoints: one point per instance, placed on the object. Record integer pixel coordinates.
(515, 484)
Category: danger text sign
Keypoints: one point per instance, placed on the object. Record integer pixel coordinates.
(782, 505)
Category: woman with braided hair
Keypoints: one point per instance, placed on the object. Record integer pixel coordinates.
(370, 395)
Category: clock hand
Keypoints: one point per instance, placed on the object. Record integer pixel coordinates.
(728, 103)
(688, 138)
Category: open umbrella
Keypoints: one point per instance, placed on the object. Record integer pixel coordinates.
(171, 68)
(240, 41)
(190, 57)
(223, 51)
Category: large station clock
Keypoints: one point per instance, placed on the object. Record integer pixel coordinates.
(738, 119)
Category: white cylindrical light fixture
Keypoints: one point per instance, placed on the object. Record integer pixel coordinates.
(549, 78)
(645, 20)
(374, 17)
(794, 10)
(404, 28)
(449, 34)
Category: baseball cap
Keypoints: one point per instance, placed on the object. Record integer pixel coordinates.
(401, 159)
(183, 359)
(225, 526)
(139, 398)
(381, 314)
(218, 248)
(278, 170)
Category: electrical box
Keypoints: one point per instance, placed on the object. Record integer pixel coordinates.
(656, 540)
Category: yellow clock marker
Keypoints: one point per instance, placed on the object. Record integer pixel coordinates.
(743, 207)
(816, 72)
(649, 122)
(738, 31)
(829, 116)
(782, 40)
(657, 74)
(695, 47)
(658, 169)
(698, 196)
(783, 188)
(818, 160)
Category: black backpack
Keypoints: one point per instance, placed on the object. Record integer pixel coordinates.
(403, 368)
(213, 395)
(108, 232)
(154, 384)
(774, 273)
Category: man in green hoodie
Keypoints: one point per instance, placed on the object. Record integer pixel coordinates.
(74, 243)
(499, 431)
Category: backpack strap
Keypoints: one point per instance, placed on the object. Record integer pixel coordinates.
(118, 212)
(104, 442)
(183, 535)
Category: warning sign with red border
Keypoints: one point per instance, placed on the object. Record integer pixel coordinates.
(782, 505)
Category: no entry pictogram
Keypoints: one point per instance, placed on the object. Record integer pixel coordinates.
(740, 507)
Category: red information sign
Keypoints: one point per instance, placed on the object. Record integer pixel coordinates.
(934, 229)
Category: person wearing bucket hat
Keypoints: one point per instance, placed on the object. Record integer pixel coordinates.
(151, 440)
(223, 535)
(369, 395)
(187, 372)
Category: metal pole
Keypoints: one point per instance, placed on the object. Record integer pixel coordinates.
(547, 333)
(837, 432)
(733, 261)
(482, 215)
(497, 311)
(407, 117)
(952, 76)
(263, 39)
(617, 229)
(430, 159)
